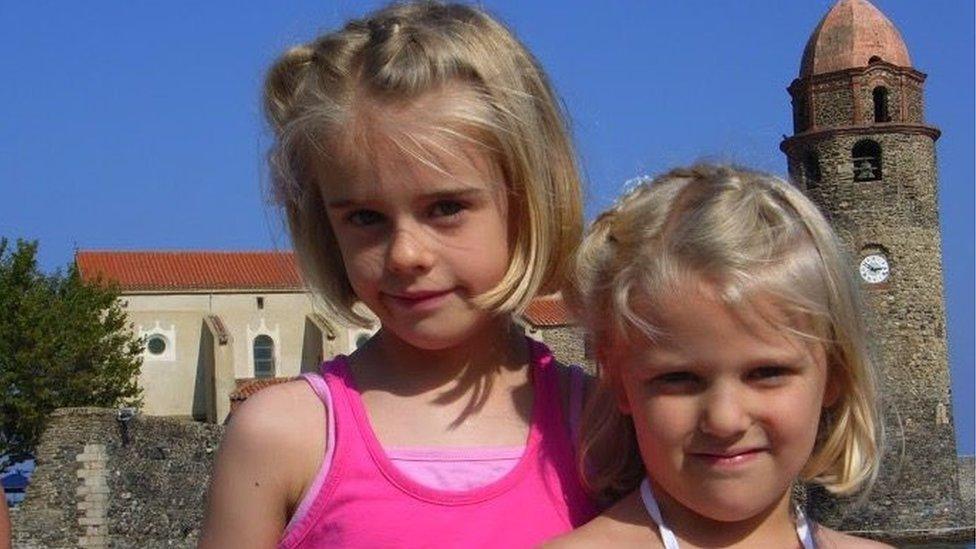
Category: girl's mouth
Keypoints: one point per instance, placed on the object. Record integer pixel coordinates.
(730, 459)
(418, 301)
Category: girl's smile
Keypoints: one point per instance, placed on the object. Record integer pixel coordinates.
(417, 300)
(729, 460)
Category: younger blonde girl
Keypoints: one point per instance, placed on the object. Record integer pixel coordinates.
(733, 365)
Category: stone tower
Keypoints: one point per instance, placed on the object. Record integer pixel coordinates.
(862, 151)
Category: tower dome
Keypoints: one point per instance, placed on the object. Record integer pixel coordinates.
(851, 35)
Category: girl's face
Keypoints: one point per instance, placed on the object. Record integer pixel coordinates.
(726, 404)
(420, 240)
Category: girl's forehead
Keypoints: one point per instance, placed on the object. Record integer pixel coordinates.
(387, 170)
(425, 143)
(698, 309)
(461, 166)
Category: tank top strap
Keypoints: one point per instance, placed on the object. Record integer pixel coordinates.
(554, 432)
(577, 388)
(321, 389)
(317, 383)
(338, 382)
(545, 383)
(327, 386)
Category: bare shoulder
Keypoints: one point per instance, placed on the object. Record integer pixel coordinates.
(292, 400)
(623, 525)
(287, 424)
(270, 453)
(828, 538)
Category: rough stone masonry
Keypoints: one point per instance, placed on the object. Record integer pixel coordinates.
(101, 484)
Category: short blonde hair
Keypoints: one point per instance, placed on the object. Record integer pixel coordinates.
(744, 233)
(318, 97)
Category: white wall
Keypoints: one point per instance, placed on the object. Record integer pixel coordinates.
(169, 380)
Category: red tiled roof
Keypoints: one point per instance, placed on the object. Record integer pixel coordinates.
(549, 311)
(248, 386)
(158, 271)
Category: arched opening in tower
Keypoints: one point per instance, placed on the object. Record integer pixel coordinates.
(811, 170)
(881, 104)
(866, 160)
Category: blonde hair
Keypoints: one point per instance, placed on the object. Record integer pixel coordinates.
(744, 233)
(319, 95)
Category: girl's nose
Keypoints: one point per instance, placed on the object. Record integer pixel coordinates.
(724, 413)
(408, 252)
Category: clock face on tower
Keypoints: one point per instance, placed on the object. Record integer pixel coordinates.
(874, 268)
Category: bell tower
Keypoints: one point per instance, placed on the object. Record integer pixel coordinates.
(862, 151)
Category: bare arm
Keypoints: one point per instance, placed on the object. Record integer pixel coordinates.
(265, 461)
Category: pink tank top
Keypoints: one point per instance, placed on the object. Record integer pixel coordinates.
(363, 500)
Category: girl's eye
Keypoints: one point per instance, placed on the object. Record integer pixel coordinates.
(446, 208)
(769, 373)
(675, 383)
(364, 218)
(675, 378)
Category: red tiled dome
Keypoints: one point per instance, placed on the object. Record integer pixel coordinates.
(849, 36)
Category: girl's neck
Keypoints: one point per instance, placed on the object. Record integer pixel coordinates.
(497, 348)
(774, 526)
(474, 394)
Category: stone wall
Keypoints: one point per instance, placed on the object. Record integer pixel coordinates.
(832, 106)
(914, 106)
(568, 344)
(967, 486)
(99, 484)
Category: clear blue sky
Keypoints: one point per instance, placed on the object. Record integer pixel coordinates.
(135, 125)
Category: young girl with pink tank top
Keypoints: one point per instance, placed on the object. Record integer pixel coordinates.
(426, 173)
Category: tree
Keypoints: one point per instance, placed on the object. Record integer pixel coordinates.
(63, 342)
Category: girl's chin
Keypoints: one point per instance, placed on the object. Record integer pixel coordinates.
(436, 338)
(730, 509)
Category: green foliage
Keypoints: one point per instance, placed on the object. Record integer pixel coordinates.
(63, 342)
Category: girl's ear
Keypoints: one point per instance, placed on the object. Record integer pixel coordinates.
(623, 404)
(614, 382)
(832, 389)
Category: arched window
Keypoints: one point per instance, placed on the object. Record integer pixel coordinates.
(866, 160)
(264, 363)
(811, 170)
(881, 104)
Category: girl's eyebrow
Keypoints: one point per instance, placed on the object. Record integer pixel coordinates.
(460, 192)
(444, 194)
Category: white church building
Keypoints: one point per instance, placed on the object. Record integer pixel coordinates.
(217, 325)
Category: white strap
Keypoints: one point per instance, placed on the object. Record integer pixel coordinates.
(803, 530)
(647, 496)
